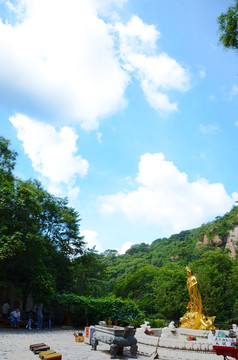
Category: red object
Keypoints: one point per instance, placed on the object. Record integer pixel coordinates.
(149, 332)
(226, 351)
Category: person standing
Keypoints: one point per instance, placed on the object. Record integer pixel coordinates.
(5, 309)
(39, 318)
(29, 321)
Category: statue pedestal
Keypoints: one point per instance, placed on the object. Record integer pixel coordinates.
(171, 343)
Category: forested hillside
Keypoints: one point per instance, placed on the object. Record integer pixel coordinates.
(42, 255)
(154, 275)
(181, 248)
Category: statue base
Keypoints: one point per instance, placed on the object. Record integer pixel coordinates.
(198, 321)
(172, 343)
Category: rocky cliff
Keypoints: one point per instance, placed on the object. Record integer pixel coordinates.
(231, 242)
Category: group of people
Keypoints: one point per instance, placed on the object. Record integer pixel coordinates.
(15, 316)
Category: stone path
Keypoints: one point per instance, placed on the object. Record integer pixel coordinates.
(14, 345)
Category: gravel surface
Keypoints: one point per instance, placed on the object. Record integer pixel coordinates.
(14, 345)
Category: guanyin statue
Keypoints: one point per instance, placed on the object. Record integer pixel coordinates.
(194, 318)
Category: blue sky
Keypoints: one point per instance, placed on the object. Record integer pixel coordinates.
(127, 107)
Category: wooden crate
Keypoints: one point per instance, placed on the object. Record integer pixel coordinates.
(39, 349)
(32, 346)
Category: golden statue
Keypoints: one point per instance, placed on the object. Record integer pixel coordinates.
(194, 318)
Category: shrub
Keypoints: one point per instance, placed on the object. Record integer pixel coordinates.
(89, 311)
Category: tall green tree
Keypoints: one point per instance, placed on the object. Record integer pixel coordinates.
(89, 274)
(228, 27)
(7, 158)
(39, 234)
(171, 294)
(139, 286)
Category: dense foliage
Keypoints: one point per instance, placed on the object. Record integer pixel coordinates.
(217, 275)
(228, 27)
(38, 235)
(154, 275)
(86, 310)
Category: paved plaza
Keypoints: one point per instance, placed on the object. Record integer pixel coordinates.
(14, 345)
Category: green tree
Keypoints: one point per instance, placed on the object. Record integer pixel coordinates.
(139, 286)
(39, 234)
(89, 274)
(138, 249)
(171, 295)
(217, 278)
(228, 27)
(7, 158)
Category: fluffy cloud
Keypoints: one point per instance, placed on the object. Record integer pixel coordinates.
(166, 198)
(65, 64)
(91, 240)
(158, 74)
(127, 245)
(90, 237)
(60, 59)
(136, 36)
(52, 152)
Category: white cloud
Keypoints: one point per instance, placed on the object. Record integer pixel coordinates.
(90, 237)
(209, 128)
(166, 198)
(158, 100)
(60, 60)
(233, 92)
(236, 123)
(136, 36)
(52, 152)
(158, 74)
(127, 245)
(64, 64)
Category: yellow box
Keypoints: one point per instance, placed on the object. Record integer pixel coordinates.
(55, 356)
(44, 353)
(79, 338)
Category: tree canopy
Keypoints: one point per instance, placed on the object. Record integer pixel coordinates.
(228, 27)
(38, 234)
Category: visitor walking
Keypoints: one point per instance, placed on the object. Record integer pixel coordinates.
(39, 318)
(29, 321)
